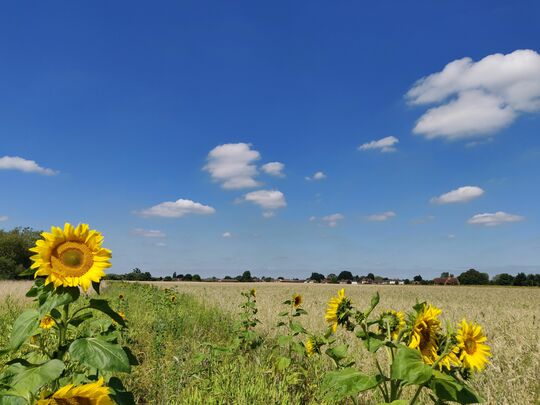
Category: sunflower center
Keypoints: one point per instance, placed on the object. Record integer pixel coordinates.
(425, 339)
(470, 346)
(72, 259)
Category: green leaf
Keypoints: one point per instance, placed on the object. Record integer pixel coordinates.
(103, 306)
(338, 352)
(27, 272)
(396, 402)
(283, 313)
(373, 344)
(283, 363)
(33, 378)
(119, 393)
(100, 354)
(23, 327)
(284, 340)
(409, 367)
(12, 398)
(448, 388)
(348, 382)
(61, 296)
(95, 286)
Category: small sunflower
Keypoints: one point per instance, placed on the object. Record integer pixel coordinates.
(337, 310)
(395, 320)
(424, 333)
(253, 292)
(71, 257)
(173, 298)
(121, 297)
(474, 352)
(122, 315)
(88, 394)
(310, 346)
(47, 322)
(296, 300)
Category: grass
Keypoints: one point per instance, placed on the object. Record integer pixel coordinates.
(180, 343)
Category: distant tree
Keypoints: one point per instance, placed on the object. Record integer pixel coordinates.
(196, 277)
(187, 277)
(14, 253)
(167, 278)
(406, 281)
(345, 275)
(503, 279)
(521, 279)
(418, 278)
(531, 281)
(174, 275)
(371, 276)
(332, 278)
(317, 277)
(246, 276)
(445, 274)
(227, 278)
(473, 277)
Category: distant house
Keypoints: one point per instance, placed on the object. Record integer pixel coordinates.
(446, 281)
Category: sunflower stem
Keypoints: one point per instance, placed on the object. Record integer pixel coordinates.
(413, 400)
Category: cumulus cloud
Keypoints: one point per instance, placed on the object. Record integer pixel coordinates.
(268, 200)
(476, 99)
(232, 164)
(3, 218)
(332, 220)
(384, 216)
(148, 233)
(226, 235)
(384, 145)
(316, 176)
(24, 165)
(274, 169)
(177, 209)
(494, 219)
(459, 195)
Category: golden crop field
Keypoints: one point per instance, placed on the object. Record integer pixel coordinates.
(168, 335)
(510, 316)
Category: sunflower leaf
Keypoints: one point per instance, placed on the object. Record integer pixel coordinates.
(100, 354)
(103, 306)
(348, 382)
(23, 328)
(409, 367)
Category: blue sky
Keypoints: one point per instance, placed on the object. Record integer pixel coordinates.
(110, 109)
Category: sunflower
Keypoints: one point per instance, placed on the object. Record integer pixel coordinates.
(337, 310)
(424, 333)
(253, 292)
(71, 257)
(449, 360)
(47, 322)
(122, 315)
(310, 347)
(395, 320)
(173, 298)
(121, 297)
(474, 352)
(296, 300)
(87, 394)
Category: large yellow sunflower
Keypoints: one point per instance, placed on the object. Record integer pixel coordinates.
(395, 320)
(71, 257)
(296, 300)
(337, 307)
(424, 333)
(87, 394)
(474, 352)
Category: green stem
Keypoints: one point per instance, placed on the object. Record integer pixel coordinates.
(413, 400)
(383, 386)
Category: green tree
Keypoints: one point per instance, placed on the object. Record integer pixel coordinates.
(345, 275)
(318, 277)
(14, 253)
(445, 274)
(246, 276)
(473, 277)
(196, 277)
(418, 278)
(521, 279)
(503, 279)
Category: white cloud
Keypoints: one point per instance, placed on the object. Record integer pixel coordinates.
(160, 244)
(3, 218)
(226, 235)
(493, 219)
(24, 165)
(232, 165)
(177, 209)
(451, 236)
(274, 169)
(268, 200)
(316, 176)
(384, 145)
(148, 233)
(459, 195)
(478, 98)
(381, 217)
(332, 220)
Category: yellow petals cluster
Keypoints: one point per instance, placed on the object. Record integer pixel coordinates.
(47, 322)
(296, 300)
(88, 394)
(424, 333)
(473, 351)
(71, 257)
(337, 306)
